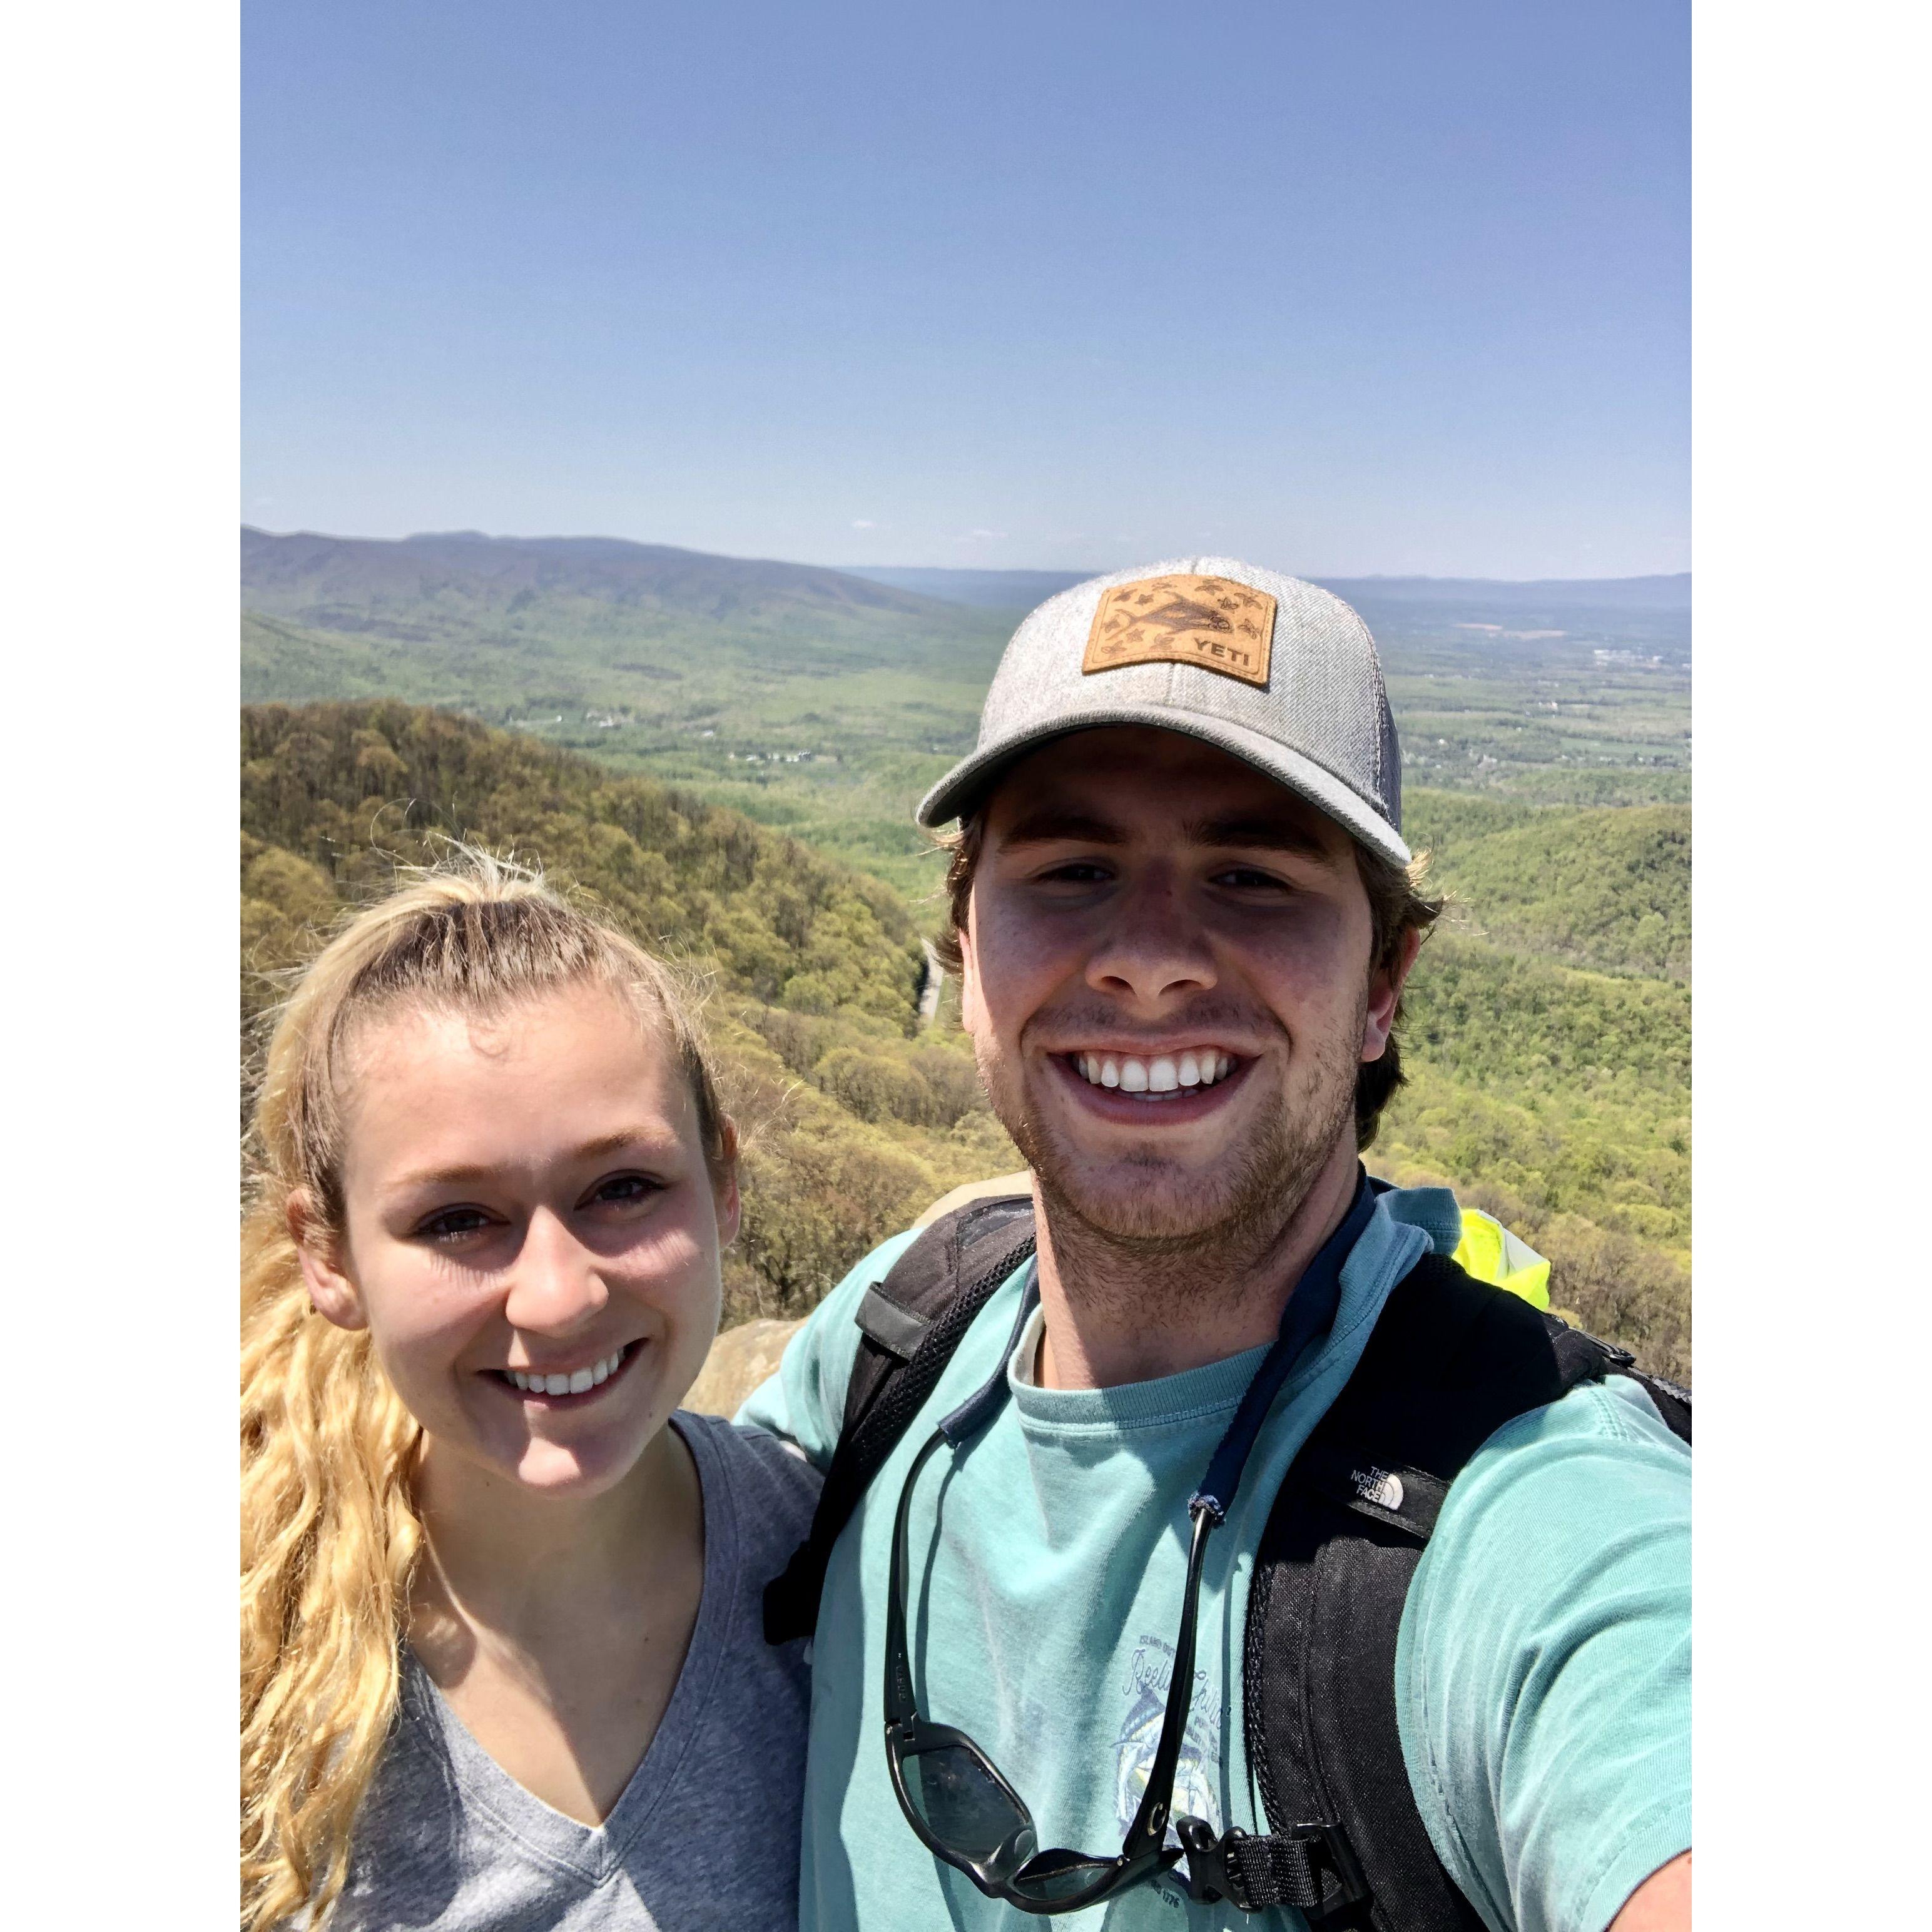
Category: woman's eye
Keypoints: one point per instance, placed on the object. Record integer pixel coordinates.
(623, 1190)
(453, 1223)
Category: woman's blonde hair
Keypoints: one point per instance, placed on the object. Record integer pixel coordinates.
(329, 1532)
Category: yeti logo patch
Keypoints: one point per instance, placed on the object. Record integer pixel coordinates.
(1198, 620)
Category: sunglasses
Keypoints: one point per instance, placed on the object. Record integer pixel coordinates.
(962, 1809)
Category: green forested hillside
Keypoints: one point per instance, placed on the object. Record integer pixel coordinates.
(1604, 888)
(1556, 1096)
(1559, 1101)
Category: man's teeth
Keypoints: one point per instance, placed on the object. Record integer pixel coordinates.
(1199, 1067)
(574, 1384)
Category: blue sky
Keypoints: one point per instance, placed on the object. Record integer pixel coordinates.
(1375, 287)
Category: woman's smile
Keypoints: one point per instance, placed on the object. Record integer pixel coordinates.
(566, 1387)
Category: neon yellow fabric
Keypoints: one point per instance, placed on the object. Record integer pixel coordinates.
(1490, 1252)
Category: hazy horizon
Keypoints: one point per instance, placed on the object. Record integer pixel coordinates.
(862, 568)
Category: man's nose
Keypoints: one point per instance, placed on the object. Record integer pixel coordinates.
(555, 1287)
(1154, 946)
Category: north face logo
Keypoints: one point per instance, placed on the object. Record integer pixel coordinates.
(1208, 621)
(1378, 1486)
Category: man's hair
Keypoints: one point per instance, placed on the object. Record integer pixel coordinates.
(1399, 903)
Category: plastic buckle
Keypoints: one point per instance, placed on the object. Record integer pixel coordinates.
(1338, 1858)
(1208, 1882)
(1331, 1861)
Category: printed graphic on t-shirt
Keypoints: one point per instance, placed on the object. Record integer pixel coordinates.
(1149, 1673)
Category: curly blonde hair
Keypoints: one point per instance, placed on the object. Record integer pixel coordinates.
(329, 1531)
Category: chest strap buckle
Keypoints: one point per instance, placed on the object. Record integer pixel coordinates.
(1311, 1867)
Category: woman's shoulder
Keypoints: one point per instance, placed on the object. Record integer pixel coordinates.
(772, 1489)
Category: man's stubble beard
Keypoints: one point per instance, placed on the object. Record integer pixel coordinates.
(1160, 1252)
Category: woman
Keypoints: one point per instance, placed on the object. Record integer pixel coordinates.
(501, 1661)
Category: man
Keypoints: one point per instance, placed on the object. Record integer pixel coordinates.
(1182, 920)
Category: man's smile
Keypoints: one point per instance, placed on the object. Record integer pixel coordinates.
(1169, 1088)
(1153, 1072)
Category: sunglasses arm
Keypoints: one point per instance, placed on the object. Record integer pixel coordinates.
(1149, 1829)
(902, 1708)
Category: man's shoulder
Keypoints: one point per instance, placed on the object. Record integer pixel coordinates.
(831, 1333)
(805, 1400)
(1604, 1434)
(1527, 1522)
(1543, 1660)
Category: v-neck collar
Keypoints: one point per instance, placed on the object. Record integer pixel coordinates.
(594, 1852)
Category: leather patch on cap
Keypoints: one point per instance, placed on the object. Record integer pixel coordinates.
(1207, 621)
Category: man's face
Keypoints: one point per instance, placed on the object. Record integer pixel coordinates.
(1167, 983)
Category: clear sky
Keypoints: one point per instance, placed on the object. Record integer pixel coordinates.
(1382, 286)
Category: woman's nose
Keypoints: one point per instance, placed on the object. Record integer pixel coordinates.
(555, 1286)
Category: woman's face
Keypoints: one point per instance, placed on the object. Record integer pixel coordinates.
(530, 1233)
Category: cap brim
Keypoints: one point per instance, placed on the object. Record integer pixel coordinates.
(969, 781)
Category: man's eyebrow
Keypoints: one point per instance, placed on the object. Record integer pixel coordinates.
(1264, 834)
(1050, 824)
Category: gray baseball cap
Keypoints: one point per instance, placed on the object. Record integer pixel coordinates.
(1275, 671)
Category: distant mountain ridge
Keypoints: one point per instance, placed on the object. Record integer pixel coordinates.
(988, 589)
(316, 580)
(1021, 589)
(384, 584)
(1600, 593)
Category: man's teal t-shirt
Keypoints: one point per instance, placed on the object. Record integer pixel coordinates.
(1543, 1671)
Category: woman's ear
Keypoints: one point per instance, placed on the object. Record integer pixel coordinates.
(725, 1197)
(331, 1290)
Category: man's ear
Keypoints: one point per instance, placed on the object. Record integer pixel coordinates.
(333, 1293)
(725, 1196)
(1385, 985)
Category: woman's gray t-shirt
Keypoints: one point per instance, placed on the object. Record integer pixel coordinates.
(706, 1831)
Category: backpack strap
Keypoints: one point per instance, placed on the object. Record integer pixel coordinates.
(912, 1321)
(1449, 1361)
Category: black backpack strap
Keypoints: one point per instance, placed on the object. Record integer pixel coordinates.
(912, 1321)
(1449, 1361)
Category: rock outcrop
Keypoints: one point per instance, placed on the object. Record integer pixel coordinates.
(740, 1359)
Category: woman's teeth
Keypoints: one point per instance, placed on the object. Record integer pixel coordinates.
(1200, 1066)
(574, 1384)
